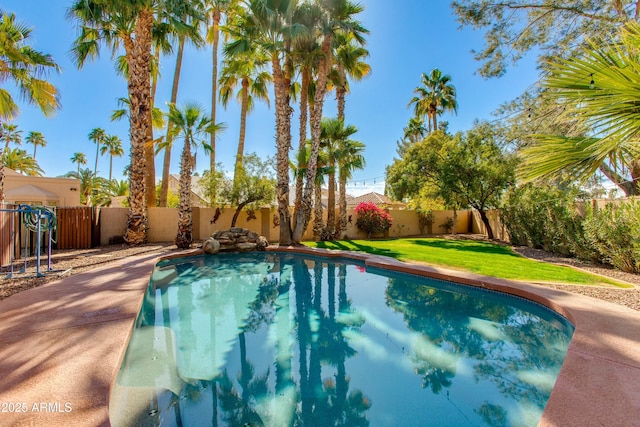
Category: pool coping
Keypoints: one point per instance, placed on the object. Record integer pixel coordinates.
(52, 337)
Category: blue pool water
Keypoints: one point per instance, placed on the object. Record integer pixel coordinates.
(280, 339)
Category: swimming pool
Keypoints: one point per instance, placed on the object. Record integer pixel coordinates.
(283, 339)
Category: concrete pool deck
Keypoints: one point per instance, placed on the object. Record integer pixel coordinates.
(61, 345)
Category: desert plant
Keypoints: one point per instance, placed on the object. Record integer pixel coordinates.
(372, 220)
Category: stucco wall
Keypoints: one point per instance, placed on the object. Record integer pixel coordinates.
(163, 223)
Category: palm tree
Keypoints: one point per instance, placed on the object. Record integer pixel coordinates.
(90, 184)
(37, 139)
(333, 139)
(415, 130)
(97, 135)
(10, 134)
(348, 57)
(245, 68)
(80, 159)
(215, 10)
(435, 96)
(184, 33)
(350, 158)
(191, 124)
(25, 67)
(271, 19)
(128, 24)
(112, 145)
(599, 87)
(336, 17)
(20, 161)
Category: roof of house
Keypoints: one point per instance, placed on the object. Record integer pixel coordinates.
(373, 197)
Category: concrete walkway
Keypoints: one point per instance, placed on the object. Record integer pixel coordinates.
(61, 346)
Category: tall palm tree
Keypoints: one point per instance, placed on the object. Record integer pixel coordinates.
(37, 139)
(306, 54)
(192, 124)
(350, 159)
(243, 67)
(27, 69)
(434, 97)
(128, 24)
(20, 161)
(194, 15)
(216, 9)
(97, 135)
(349, 57)
(80, 159)
(335, 17)
(597, 86)
(272, 19)
(333, 139)
(112, 145)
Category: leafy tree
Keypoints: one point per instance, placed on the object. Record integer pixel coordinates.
(349, 56)
(37, 139)
(434, 97)
(254, 186)
(20, 161)
(464, 170)
(516, 27)
(26, 68)
(191, 124)
(599, 86)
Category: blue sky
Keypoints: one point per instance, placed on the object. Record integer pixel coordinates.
(412, 37)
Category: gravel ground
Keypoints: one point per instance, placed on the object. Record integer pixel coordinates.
(66, 262)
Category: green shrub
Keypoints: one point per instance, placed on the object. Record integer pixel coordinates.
(614, 234)
(372, 219)
(545, 218)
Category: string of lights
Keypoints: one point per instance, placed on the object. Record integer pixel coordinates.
(364, 181)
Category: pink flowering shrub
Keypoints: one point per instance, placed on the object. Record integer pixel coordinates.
(372, 219)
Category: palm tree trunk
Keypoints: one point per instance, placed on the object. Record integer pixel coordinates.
(95, 168)
(302, 142)
(341, 92)
(166, 164)
(2, 168)
(110, 166)
(331, 204)
(342, 217)
(243, 129)
(302, 219)
(318, 223)
(214, 88)
(138, 55)
(185, 222)
(283, 143)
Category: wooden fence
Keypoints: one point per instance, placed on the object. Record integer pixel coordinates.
(78, 227)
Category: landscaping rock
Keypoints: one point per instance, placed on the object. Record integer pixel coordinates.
(236, 239)
(211, 246)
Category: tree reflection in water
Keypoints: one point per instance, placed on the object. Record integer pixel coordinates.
(308, 342)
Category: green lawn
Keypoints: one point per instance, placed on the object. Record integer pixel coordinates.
(479, 257)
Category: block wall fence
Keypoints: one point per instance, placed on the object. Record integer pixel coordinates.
(163, 224)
